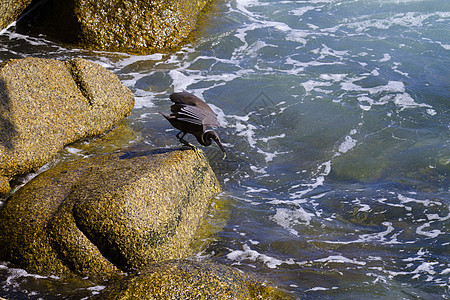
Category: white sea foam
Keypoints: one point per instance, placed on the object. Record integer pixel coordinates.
(404, 199)
(258, 45)
(404, 101)
(302, 10)
(347, 144)
(259, 170)
(326, 51)
(386, 237)
(266, 139)
(181, 81)
(4, 30)
(298, 36)
(132, 59)
(299, 67)
(30, 40)
(96, 289)
(333, 77)
(247, 131)
(431, 112)
(395, 93)
(243, 4)
(408, 20)
(16, 273)
(446, 271)
(391, 86)
(268, 156)
(425, 267)
(312, 85)
(288, 218)
(431, 234)
(317, 288)
(380, 236)
(340, 259)
(322, 171)
(437, 217)
(386, 57)
(256, 190)
(419, 256)
(445, 46)
(252, 255)
(364, 207)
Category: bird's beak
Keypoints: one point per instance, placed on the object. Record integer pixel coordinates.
(217, 140)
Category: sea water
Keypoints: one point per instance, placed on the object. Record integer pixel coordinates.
(335, 116)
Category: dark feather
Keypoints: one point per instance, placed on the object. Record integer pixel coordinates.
(191, 115)
(192, 109)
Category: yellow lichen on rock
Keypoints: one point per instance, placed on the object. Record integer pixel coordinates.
(46, 104)
(107, 214)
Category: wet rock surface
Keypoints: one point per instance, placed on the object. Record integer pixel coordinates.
(107, 214)
(10, 10)
(133, 26)
(138, 24)
(192, 280)
(47, 104)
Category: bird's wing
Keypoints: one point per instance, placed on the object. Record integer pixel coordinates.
(190, 106)
(195, 115)
(186, 115)
(185, 98)
(211, 120)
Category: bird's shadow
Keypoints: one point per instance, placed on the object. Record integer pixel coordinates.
(133, 153)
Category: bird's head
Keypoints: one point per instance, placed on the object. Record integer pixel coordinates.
(211, 135)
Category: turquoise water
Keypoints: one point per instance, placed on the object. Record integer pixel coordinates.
(336, 119)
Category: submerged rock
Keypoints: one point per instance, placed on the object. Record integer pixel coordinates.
(192, 280)
(47, 104)
(103, 215)
(10, 10)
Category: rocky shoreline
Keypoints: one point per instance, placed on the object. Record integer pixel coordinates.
(129, 217)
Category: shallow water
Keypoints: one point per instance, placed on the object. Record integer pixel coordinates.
(335, 115)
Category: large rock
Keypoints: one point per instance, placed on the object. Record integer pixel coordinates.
(103, 215)
(47, 104)
(10, 10)
(192, 280)
(134, 26)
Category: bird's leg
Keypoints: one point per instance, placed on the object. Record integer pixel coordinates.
(186, 143)
(178, 135)
(183, 141)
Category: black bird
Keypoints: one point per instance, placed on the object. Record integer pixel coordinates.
(192, 115)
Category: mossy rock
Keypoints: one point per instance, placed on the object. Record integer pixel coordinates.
(103, 215)
(132, 26)
(46, 104)
(10, 10)
(192, 280)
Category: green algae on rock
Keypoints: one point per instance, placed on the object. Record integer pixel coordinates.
(184, 279)
(103, 215)
(46, 104)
